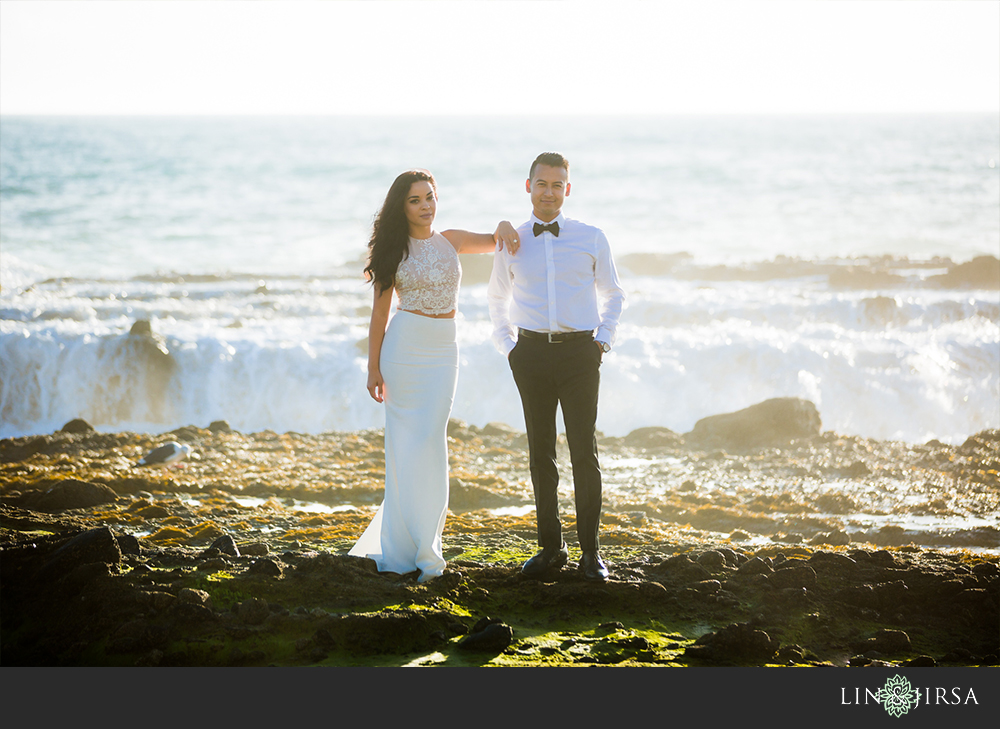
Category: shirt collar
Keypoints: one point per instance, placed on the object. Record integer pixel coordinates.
(560, 218)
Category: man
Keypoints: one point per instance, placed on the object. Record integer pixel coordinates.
(555, 308)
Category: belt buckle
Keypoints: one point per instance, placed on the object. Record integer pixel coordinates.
(551, 340)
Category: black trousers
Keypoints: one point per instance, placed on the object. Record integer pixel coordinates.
(567, 375)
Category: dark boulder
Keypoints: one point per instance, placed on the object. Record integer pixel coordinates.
(736, 643)
(226, 545)
(887, 642)
(69, 493)
(392, 631)
(795, 576)
(77, 425)
(265, 567)
(652, 437)
(771, 423)
(95, 545)
(982, 272)
(489, 635)
(679, 569)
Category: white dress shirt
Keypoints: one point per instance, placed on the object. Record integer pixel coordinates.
(564, 283)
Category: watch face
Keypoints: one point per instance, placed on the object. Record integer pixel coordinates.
(605, 346)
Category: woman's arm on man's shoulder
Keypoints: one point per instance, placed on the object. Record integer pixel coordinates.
(467, 242)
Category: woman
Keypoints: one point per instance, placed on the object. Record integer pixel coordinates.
(413, 369)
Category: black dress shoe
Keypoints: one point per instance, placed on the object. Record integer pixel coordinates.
(593, 567)
(550, 558)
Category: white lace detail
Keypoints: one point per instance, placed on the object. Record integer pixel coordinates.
(427, 280)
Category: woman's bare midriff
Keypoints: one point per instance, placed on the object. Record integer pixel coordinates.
(448, 315)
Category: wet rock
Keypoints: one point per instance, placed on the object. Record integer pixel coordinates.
(836, 538)
(858, 469)
(195, 597)
(681, 568)
(94, 545)
(862, 596)
(707, 587)
(265, 567)
(488, 636)
(738, 643)
(156, 599)
(129, 544)
(464, 496)
(226, 545)
(653, 437)
(85, 574)
(212, 561)
(792, 538)
(712, 560)
(392, 631)
(982, 272)
(13, 450)
(69, 493)
(460, 430)
(797, 576)
(832, 562)
(787, 598)
(502, 430)
(77, 425)
(255, 549)
(887, 642)
(879, 558)
(138, 635)
(774, 422)
(146, 371)
(986, 570)
(754, 566)
(733, 559)
(882, 310)
(254, 611)
(790, 654)
(863, 277)
(191, 613)
(152, 511)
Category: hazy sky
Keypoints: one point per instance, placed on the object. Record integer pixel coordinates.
(500, 57)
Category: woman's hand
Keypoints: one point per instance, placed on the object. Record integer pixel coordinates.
(507, 237)
(376, 386)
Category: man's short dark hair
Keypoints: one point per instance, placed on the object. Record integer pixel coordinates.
(549, 159)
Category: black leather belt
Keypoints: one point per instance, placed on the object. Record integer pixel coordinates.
(553, 337)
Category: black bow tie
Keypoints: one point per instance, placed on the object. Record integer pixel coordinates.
(553, 228)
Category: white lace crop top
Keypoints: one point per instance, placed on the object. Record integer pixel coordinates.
(427, 280)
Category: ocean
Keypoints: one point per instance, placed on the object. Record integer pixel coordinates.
(847, 260)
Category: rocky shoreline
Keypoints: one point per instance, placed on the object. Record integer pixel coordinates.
(730, 545)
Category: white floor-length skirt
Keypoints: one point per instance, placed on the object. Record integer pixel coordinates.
(419, 363)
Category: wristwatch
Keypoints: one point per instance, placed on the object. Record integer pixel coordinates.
(605, 347)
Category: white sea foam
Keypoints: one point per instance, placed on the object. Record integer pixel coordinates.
(289, 354)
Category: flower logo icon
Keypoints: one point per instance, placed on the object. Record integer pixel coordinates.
(897, 696)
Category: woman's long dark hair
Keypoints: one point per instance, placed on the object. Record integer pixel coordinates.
(390, 240)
